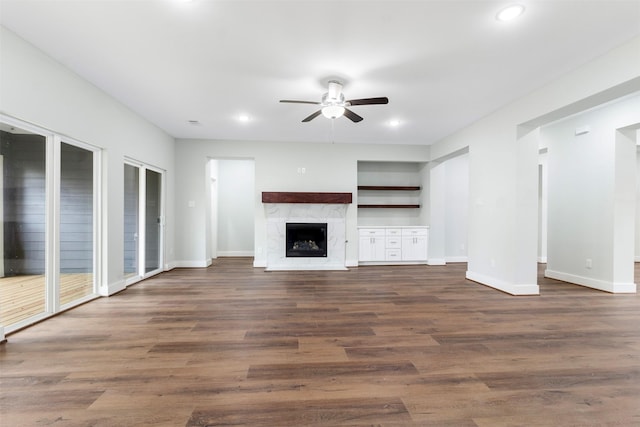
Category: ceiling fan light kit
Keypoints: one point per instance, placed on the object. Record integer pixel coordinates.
(332, 111)
(334, 105)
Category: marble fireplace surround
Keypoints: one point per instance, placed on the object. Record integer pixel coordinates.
(283, 207)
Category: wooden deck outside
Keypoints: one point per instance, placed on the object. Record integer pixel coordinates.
(23, 296)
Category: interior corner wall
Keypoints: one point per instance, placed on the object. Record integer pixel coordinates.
(437, 213)
(637, 256)
(456, 207)
(36, 89)
(236, 206)
(591, 197)
(500, 240)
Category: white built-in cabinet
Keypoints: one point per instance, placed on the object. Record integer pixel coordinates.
(414, 244)
(389, 245)
(372, 244)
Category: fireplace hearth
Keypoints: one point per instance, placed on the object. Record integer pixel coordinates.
(306, 239)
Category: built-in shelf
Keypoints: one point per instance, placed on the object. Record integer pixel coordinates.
(389, 206)
(388, 187)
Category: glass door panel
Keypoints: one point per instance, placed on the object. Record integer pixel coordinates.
(131, 220)
(153, 214)
(23, 238)
(76, 223)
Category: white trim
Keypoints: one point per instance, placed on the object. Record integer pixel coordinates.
(601, 285)
(234, 254)
(542, 259)
(437, 261)
(365, 263)
(113, 288)
(351, 263)
(301, 267)
(636, 258)
(192, 264)
(260, 263)
(501, 285)
(52, 223)
(79, 301)
(26, 322)
(2, 337)
(456, 259)
(170, 266)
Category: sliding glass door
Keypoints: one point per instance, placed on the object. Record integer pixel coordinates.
(48, 237)
(153, 222)
(77, 223)
(23, 283)
(131, 220)
(143, 222)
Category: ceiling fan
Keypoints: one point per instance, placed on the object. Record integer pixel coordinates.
(333, 104)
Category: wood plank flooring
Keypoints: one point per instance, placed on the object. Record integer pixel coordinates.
(385, 346)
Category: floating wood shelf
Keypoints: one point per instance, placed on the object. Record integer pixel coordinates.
(389, 206)
(388, 187)
(293, 197)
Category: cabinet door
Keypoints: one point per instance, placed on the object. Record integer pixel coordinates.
(371, 248)
(414, 248)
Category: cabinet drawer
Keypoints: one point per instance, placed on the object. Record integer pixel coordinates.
(371, 232)
(393, 242)
(394, 232)
(414, 231)
(393, 255)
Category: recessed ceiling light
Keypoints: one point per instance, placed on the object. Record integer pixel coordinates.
(193, 122)
(510, 12)
(243, 118)
(394, 123)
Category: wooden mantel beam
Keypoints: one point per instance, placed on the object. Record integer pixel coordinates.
(294, 197)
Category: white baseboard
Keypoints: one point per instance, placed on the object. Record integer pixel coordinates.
(456, 259)
(601, 285)
(636, 259)
(112, 288)
(2, 338)
(437, 261)
(260, 263)
(501, 285)
(192, 264)
(170, 266)
(351, 263)
(542, 259)
(234, 253)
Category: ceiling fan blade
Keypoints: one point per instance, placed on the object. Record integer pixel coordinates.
(352, 116)
(299, 102)
(313, 116)
(369, 101)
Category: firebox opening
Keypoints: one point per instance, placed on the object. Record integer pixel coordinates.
(306, 239)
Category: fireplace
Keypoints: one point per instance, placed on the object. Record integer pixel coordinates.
(306, 239)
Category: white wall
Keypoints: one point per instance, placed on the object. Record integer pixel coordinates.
(503, 173)
(236, 208)
(543, 166)
(637, 257)
(328, 168)
(591, 197)
(36, 89)
(456, 207)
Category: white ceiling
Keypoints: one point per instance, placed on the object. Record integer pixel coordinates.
(443, 64)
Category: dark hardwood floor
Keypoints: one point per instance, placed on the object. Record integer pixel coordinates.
(391, 346)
